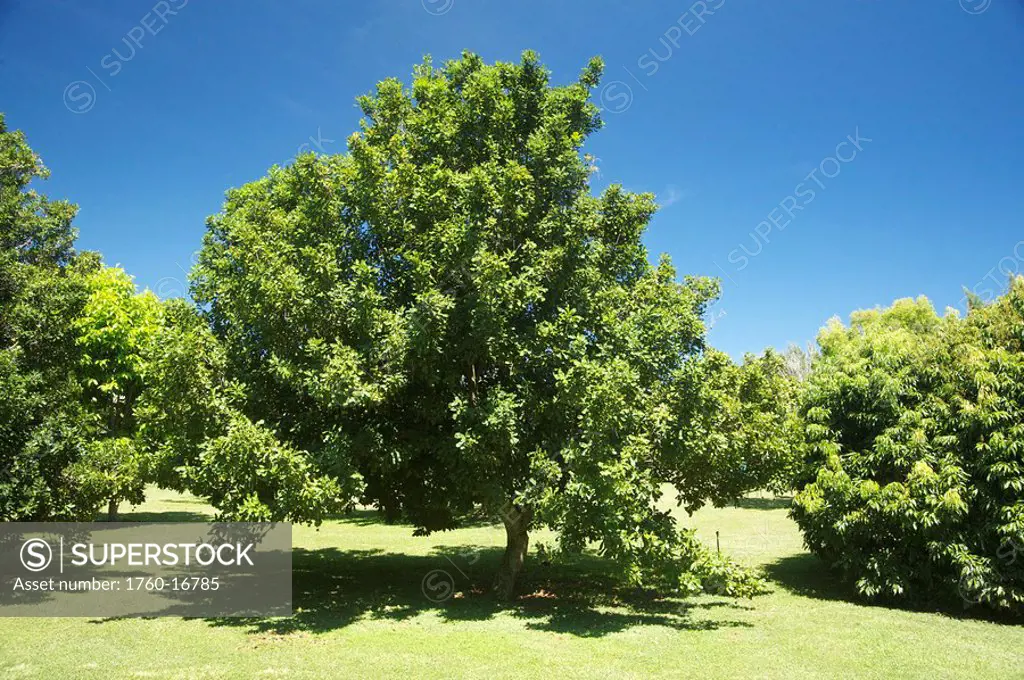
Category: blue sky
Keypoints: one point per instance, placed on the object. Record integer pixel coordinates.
(731, 111)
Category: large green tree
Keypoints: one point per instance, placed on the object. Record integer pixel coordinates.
(450, 313)
(43, 288)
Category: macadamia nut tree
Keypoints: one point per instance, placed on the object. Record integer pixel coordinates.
(449, 313)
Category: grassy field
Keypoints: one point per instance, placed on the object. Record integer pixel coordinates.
(364, 608)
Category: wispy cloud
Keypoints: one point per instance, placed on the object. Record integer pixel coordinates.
(671, 196)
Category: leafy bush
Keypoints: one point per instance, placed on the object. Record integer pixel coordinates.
(915, 441)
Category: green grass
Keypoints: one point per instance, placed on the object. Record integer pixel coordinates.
(361, 612)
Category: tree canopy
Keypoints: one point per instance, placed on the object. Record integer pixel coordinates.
(448, 316)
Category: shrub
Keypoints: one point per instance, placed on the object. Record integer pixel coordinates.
(914, 428)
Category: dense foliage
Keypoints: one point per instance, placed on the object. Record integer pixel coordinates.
(114, 333)
(915, 443)
(198, 439)
(72, 336)
(43, 287)
(446, 320)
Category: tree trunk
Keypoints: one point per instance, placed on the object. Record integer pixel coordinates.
(517, 539)
(112, 510)
(392, 513)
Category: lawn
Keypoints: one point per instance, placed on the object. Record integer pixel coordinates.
(365, 591)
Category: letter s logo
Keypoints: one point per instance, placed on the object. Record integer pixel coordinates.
(36, 554)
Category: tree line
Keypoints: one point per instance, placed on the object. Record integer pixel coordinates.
(446, 322)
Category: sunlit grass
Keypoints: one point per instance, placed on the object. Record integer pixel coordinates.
(362, 610)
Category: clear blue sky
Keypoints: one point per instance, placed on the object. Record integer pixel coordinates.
(727, 115)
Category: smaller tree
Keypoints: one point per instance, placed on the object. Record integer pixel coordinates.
(188, 398)
(115, 329)
(742, 431)
(112, 471)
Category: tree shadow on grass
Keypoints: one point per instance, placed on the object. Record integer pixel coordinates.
(334, 588)
(371, 517)
(807, 575)
(172, 517)
(757, 503)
